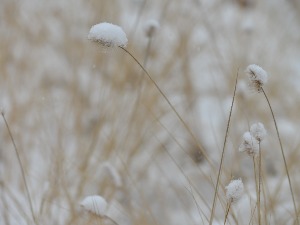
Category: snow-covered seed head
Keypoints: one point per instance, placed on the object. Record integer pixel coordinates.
(94, 204)
(258, 77)
(150, 27)
(250, 145)
(258, 131)
(234, 190)
(108, 35)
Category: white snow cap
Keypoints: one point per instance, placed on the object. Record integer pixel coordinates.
(94, 204)
(258, 77)
(258, 131)
(108, 35)
(234, 190)
(150, 27)
(250, 145)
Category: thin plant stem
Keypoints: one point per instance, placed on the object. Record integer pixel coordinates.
(259, 186)
(227, 212)
(223, 153)
(138, 19)
(255, 177)
(21, 167)
(252, 215)
(256, 186)
(140, 82)
(265, 197)
(185, 175)
(283, 156)
(140, 86)
(147, 52)
(172, 107)
(147, 207)
(195, 201)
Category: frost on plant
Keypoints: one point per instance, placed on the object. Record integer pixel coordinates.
(250, 145)
(94, 204)
(234, 190)
(258, 77)
(150, 27)
(258, 131)
(108, 35)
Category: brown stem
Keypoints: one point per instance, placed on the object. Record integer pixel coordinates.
(21, 167)
(172, 107)
(227, 212)
(223, 153)
(259, 186)
(283, 156)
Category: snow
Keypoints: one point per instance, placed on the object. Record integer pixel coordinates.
(257, 75)
(94, 204)
(258, 131)
(250, 145)
(87, 122)
(234, 190)
(108, 35)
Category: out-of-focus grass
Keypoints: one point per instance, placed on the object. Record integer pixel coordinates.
(72, 108)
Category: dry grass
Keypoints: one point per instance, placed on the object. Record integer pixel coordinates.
(73, 108)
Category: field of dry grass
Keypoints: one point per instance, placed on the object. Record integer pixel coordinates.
(87, 121)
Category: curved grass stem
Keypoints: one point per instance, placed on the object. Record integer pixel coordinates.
(223, 153)
(21, 167)
(172, 107)
(283, 156)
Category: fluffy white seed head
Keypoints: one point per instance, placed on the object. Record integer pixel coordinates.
(94, 204)
(151, 27)
(258, 131)
(250, 145)
(234, 190)
(258, 77)
(108, 35)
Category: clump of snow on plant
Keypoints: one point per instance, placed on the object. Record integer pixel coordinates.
(250, 145)
(258, 76)
(94, 204)
(258, 131)
(234, 190)
(108, 35)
